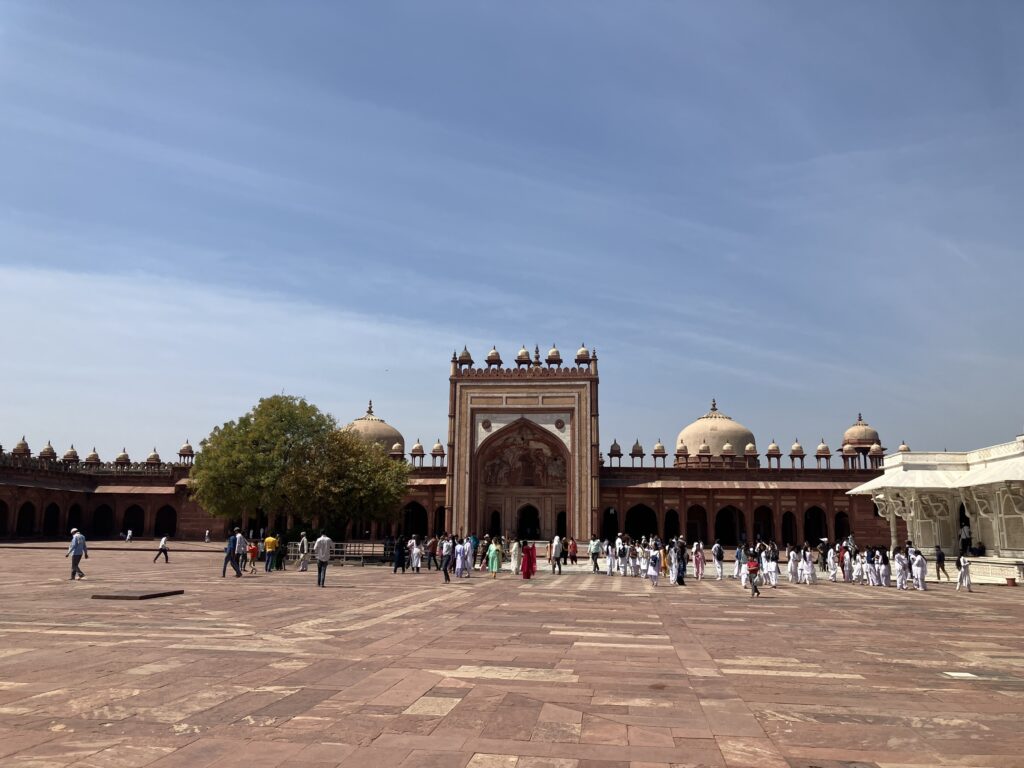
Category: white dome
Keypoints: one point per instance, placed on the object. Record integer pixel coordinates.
(715, 429)
(374, 429)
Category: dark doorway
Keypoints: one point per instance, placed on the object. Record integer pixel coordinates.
(815, 526)
(964, 519)
(439, 521)
(528, 525)
(560, 524)
(764, 524)
(102, 522)
(26, 525)
(609, 525)
(134, 520)
(494, 529)
(729, 524)
(414, 520)
(166, 522)
(842, 526)
(696, 524)
(789, 529)
(671, 525)
(74, 517)
(360, 530)
(641, 521)
(51, 521)
(3, 518)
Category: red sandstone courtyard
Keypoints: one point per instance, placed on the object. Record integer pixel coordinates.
(582, 671)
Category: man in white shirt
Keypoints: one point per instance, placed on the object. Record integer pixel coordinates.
(303, 553)
(556, 554)
(322, 549)
(161, 550)
(446, 556)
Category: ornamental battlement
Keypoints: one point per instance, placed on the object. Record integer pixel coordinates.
(526, 366)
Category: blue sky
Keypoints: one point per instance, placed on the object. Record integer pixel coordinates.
(805, 210)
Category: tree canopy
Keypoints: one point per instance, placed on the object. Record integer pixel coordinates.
(286, 456)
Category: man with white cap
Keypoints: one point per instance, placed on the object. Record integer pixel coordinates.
(77, 550)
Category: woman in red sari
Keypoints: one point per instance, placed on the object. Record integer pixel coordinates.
(529, 559)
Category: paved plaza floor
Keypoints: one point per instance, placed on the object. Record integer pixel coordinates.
(577, 671)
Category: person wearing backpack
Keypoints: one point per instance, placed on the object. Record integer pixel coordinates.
(718, 556)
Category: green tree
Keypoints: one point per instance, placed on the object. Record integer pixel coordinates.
(244, 466)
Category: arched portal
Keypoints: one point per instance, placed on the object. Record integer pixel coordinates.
(560, 524)
(26, 525)
(102, 522)
(789, 529)
(134, 520)
(439, 521)
(764, 524)
(641, 521)
(528, 522)
(74, 518)
(51, 521)
(696, 523)
(494, 529)
(671, 524)
(3, 518)
(609, 525)
(166, 523)
(729, 524)
(815, 526)
(414, 520)
(842, 526)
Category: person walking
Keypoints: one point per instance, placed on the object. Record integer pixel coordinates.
(253, 553)
(753, 569)
(964, 578)
(494, 554)
(919, 570)
(594, 550)
(517, 556)
(206, 538)
(415, 555)
(230, 556)
(161, 550)
(738, 571)
(77, 549)
(717, 557)
(940, 563)
(322, 549)
(698, 560)
(653, 565)
(555, 554)
(432, 553)
(303, 553)
(529, 567)
(447, 547)
(269, 552)
(129, 537)
(399, 559)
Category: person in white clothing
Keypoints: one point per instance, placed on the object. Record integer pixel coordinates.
(517, 556)
(717, 556)
(322, 549)
(415, 555)
(129, 537)
(919, 570)
(611, 557)
(206, 538)
(964, 579)
(792, 565)
(901, 568)
(161, 550)
(870, 569)
(833, 570)
(653, 566)
(303, 553)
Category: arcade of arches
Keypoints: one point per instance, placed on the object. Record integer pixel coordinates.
(51, 518)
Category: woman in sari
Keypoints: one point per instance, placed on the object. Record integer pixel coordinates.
(494, 557)
(529, 559)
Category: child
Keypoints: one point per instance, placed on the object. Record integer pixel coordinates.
(753, 568)
(254, 553)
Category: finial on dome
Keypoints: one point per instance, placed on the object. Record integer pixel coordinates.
(714, 404)
(369, 409)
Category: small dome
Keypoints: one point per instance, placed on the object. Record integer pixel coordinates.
(93, 457)
(727, 450)
(849, 450)
(659, 448)
(464, 357)
(493, 358)
(582, 355)
(554, 356)
(397, 449)
(122, 457)
(682, 450)
(875, 450)
(438, 449)
(21, 449)
(637, 449)
(374, 429)
(716, 429)
(71, 457)
(48, 453)
(773, 448)
(417, 448)
(861, 434)
(615, 449)
(154, 457)
(822, 449)
(523, 355)
(186, 449)
(704, 449)
(796, 449)
(904, 448)
(750, 450)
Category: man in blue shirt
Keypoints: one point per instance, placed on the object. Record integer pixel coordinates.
(230, 556)
(77, 550)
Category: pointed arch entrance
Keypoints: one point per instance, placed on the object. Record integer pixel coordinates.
(671, 524)
(414, 520)
(641, 521)
(166, 522)
(134, 520)
(51, 521)
(815, 525)
(609, 525)
(696, 524)
(764, 524)
(729, 525)
(789, 529)
(528, 522)
(26, 525)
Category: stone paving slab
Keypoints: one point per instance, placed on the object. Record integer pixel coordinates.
(577, 671)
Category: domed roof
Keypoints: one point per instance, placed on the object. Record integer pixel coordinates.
(438, 449)
(682, 450)
(659, 448)
(849, 450)
(904, 448)
(464, 357)
(750, 450)
(582, 354)
(727, 450)
(875, 450)
(21, 449)
(186, 449)
(637, 449)
(154, 457)
(554, 356)
(773, 448)
(615, 449)
(122, 457)
(861, 434)
(48, 452)
(93, 457)
(822, 449)
(373, 429)
(72, 455)
(704, 449)
(397, 449)
(523, 355)
(493, 358)
(796, 449)
(716, 429)
(417, 448)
